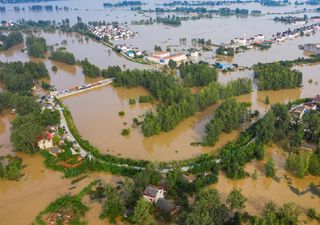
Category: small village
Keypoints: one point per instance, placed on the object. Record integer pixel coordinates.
(111, 32)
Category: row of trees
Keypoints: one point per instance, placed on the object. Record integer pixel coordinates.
(301, 164)
(89, 69)
(176, 101)
(37, 46)
(227, 117)
(19, 77)
(215, 91)
(63, 56)
(10, 40)
(197, 74)
(275, 76)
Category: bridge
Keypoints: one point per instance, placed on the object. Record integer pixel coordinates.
(82, 88)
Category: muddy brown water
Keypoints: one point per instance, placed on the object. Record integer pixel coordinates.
(22, 201)
(263, 189)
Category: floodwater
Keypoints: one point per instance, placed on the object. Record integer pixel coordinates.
(263, 189)
(5, 146)
(22, 201)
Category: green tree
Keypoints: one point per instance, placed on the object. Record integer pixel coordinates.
(37, 46)
(236, 200)
(298, 164)
(24, 133)
(266, 128)
(207, 209)
(49, 117)
(266, 100)
(269, 168)
(25, 105)
(13, 170)
(141, 214)
(172, 64)
(314, 164)
(112, 207)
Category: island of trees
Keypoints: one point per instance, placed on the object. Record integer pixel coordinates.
(275, 76)
(64, 56)
(10, 40)
(37, 46)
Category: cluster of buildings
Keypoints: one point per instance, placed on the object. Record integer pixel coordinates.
(165, 57)
(6, 24)
(290, 34)
(112, 32)
(256, 39)
(130, 52)
(305, 108)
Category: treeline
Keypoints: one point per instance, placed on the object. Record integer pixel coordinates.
(221, 50)
(197, 74)
(174, 20)
(37, 46)
(63, 56)
(275, 76)
(19, 77)
(176, 101)
(215, 91)
(123, 4)
(89, 69)
(10, 40)
(229, 115)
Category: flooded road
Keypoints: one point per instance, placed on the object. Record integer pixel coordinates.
(22, 201)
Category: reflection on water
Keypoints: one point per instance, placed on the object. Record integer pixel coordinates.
(265, 189)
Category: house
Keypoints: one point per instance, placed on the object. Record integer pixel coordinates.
(164, 57)
(46, 143)
(153, 193)
(313, 48)
(130, 54)
(309, 106)
(166, 206)
(316, 99)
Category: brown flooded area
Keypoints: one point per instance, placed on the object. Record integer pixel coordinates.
(96, 116)
(5, 146)
(97, 119)
(263, 189)
(22, 201)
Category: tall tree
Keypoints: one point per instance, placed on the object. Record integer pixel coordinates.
(236, 200)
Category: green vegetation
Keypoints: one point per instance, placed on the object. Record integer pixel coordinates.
(236, 200)
(132, 101)
(176, 101)
(125, 132)
(19, 77)
(11, 40)
(90, 69)
(225, 51)
(275, 76)
(197, 74)
(11, 170)
(70, 207)
(145, 99)
(37, 46)
(227, 117)
(54, 68)
(301, 164)
(269, 169)
(112, 207)
(121, 113)
(215, 91)
(142, 213)
(312, 214)
(63, 56)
